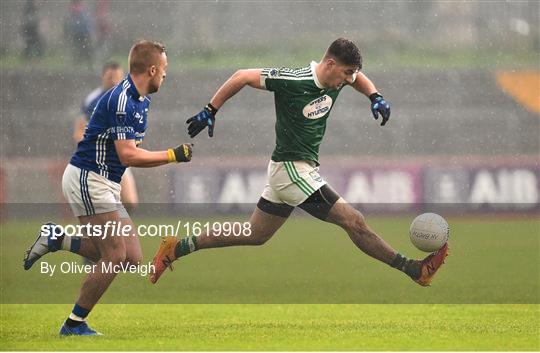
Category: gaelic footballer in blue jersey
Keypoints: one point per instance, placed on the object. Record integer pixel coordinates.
(121, 114)
(111, 143)
(111, 75)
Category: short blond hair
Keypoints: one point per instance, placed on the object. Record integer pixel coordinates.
(144, 54)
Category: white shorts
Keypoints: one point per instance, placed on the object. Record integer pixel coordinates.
(128, 173)
(89, 193)
(292, 182)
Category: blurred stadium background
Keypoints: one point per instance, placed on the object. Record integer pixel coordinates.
(462, 80)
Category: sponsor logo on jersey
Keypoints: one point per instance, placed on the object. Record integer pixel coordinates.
(315, 176)
(273, 73)
(121, 117)
(139, 117)
(122, 129)
(318, 108)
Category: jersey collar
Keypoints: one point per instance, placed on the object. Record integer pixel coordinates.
(133, 90)
(315, 78)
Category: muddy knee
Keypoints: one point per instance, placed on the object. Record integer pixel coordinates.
(355, 223)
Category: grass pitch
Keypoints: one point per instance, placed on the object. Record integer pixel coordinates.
(309, 288)
(279, 327)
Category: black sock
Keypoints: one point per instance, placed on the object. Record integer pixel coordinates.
(411, 267)
(78, 314)
(73, 323)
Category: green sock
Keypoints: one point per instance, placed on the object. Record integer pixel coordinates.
(186, 246)
(411, 267)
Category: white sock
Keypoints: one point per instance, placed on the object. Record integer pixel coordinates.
(66, 243)
(75, 317)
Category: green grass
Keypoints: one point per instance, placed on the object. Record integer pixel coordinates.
(307, 261)
(279, 327)
(308, 288)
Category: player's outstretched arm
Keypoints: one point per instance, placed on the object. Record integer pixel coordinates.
(378, 104)
(241, 78)
(132, 156)
(207, 116)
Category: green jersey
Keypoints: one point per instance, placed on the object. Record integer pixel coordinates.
(302, 107)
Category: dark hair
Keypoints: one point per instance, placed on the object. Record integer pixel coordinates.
(344, 52)
(144, 54)
(111, 65)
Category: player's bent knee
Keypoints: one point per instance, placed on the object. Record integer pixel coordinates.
(353, 221)
(359, 221)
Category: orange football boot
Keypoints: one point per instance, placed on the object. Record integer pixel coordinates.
(164, 257)
(431, 264)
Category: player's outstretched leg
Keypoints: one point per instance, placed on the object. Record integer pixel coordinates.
(51, 238)
(353, 222)
(263, 225)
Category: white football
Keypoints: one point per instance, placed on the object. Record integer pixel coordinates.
(429, 232)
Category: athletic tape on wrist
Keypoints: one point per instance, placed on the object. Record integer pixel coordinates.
(171, 155)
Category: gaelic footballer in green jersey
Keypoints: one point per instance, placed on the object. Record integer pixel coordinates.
(304, 98)
(302, 107)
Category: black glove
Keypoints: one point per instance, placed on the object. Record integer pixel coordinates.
(379, 105)
(182, 153)
(206, 117)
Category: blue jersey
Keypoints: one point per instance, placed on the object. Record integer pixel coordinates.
(120, 114)
(90, 102)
